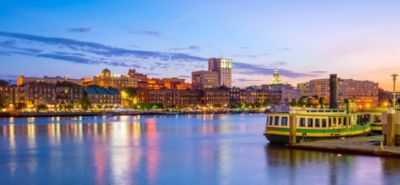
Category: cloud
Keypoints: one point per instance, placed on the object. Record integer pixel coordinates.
(250, 69)
(189, 48)
(90, 53)
(244, 47)
(251, 55)
(247, 80)
(12, 44)
(187, 16)
(318, 72)
(80, 30)
(8, 77)
(148, 33)
(284, 49)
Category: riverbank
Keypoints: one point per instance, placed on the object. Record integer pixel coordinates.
(362, 145)
(115, 113)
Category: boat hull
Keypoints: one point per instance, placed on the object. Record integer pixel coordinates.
(281, 135)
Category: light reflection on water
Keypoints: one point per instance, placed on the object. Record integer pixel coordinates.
(190, 149)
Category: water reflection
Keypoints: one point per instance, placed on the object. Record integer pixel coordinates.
(195, 149)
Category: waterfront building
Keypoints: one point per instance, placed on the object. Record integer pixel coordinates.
(68, 93)
(6, 94)
(363, 93)
(21, 80)
(223, 67)
(205, 79)
(217, 97)
(108, 80)
(36, 93)
(168, 97)
(103, 96)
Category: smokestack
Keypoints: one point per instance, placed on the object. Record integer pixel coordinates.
(333, 91)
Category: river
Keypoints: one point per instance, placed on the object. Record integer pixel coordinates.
(222, 149)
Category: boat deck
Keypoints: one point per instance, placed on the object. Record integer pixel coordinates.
(366, 145)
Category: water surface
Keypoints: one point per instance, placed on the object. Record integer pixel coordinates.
(188, 149)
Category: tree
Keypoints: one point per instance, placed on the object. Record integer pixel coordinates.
(292, 102)
(85, 103)
(267, 102)
(300, 102)
(347, 103)
(321, 102)
(20, 106)
(42, 107)
(308, 102)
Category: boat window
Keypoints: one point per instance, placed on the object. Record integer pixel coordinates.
(345, 121)
(334, 122)
(276, 121)
(317, 123)
(339, 121)
(330, 122)
(324, 123)
(310, 122)
(302, 122)
(284, 121)
(270, 120)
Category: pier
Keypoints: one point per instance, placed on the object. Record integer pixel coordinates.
(364, 145)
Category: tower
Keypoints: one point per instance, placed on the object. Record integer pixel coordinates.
(224, 69)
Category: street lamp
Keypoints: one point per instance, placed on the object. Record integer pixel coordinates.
(394, 90)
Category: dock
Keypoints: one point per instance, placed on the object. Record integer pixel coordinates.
(364, 145)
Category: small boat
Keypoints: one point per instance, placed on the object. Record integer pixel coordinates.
(314, 124)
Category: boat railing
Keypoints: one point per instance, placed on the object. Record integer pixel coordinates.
(311, 110)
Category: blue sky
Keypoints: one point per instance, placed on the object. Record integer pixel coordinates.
(306, 39)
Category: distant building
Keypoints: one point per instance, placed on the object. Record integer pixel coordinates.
(21, 80)
(172, 83)
(204, 79)
(364, 93)
(108, 80)
(224, 69)
(279, 91)
(155, 83)
(140, 78)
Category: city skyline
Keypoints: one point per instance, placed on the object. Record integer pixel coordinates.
(70, 38)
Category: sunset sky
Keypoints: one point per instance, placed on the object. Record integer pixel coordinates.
(305, 39)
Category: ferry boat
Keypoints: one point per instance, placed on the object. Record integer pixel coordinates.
(375, 118)
(313, 124)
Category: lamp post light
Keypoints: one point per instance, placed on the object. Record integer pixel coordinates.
(394, 90)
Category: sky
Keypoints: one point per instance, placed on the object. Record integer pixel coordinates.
(305, 39)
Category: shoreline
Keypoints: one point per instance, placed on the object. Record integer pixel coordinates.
(114, 113)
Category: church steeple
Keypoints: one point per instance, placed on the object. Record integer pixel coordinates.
(276, 79)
